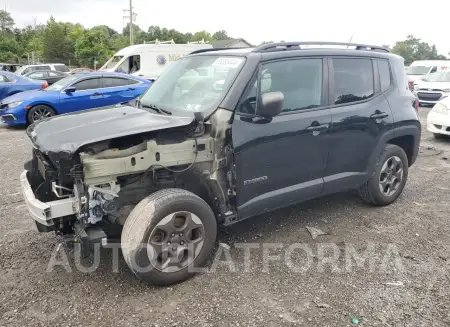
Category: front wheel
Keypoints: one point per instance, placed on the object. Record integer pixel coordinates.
(167, 235)
(39, 112)
(388, 179)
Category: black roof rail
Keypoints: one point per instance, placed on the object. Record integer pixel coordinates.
(281, 46)
(212, 49)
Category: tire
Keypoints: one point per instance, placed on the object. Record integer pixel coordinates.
(439, 136)
(371, 192)
(40, 108)
(147, 225)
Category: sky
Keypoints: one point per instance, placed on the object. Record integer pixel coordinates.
(364, 21)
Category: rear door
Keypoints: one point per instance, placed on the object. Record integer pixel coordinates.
(282, 160)
(118, 90)
(88, 94)
(360, 114)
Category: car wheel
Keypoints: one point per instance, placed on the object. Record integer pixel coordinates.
(168, 234)
(388, 179)
(439, 136)
(39, 112)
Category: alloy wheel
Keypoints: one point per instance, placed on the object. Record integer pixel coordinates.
(175, 241)
(391, 176)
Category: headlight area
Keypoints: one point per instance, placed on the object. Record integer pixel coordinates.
(14, 104)
(440, 109)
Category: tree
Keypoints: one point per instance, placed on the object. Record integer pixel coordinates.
(6, 21)
(93, 45)
(413, 49)
(57, 45)
(203, 35)
(221, 35)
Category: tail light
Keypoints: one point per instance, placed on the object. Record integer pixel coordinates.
(44, 85)
(411, 85)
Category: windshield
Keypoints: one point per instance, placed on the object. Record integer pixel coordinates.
(195, 83)
(438, 77)
(418, 70)
(61, 83)
(111, 63)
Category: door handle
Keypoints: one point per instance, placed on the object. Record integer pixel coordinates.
(131, 89)
(96, 94)
(317, 127)
(379, 115)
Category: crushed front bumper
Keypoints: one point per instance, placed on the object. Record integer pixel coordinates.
(44, 212)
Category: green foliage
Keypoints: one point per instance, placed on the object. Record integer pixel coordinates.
(6, 21)
(413, 49)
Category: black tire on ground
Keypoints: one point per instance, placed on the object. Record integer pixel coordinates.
(439, 136)
(370, 191)
(41, 109)
(147, 217)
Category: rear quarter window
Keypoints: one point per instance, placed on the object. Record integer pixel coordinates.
(62, 68)
(385, 74)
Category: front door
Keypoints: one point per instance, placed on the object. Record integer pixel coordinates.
(88, 94)
(361, 116)
(281, 161)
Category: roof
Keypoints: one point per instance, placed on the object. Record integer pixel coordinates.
(110, 74)
(228, 43)
(177, 46)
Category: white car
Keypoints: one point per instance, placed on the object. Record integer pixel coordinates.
(433, 88)
(438, 119)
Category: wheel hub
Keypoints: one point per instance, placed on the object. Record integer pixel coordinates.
(175, 241)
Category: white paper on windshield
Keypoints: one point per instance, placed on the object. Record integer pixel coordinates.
(227, 62)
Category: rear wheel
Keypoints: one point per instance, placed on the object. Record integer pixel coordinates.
(166, 235)
(388, 179)
(39, 112)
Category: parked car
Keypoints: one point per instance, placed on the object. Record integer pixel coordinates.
(72, 93)
(438, 119)
(81, 70)
(11, 83)
(31, 68)
(9, 67)
(221, 136)
(51, 76)
(433, 88)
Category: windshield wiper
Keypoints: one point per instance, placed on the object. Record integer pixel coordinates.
(157, 109)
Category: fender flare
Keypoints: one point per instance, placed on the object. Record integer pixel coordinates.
(411, 130)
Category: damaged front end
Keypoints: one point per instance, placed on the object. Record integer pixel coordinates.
(88, 192)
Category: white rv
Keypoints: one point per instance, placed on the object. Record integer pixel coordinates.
(149, 60)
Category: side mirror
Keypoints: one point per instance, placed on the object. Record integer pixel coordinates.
(271, 104)
(70, 89)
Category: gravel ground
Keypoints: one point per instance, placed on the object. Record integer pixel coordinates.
(404, 280)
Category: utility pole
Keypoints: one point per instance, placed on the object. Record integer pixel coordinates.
(132, 17)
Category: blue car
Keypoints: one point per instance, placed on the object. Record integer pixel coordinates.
(73, 93)
(11, 83)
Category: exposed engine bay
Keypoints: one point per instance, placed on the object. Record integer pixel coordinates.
(107, 179)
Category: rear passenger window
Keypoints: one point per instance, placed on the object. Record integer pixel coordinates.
(299, 80)
(385, 74)
(353, 80)
(114, 82)
(88, 84)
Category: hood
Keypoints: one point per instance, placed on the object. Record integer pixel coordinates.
(23, 96)
(65, 134)
(415, 77)
(433, 85)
